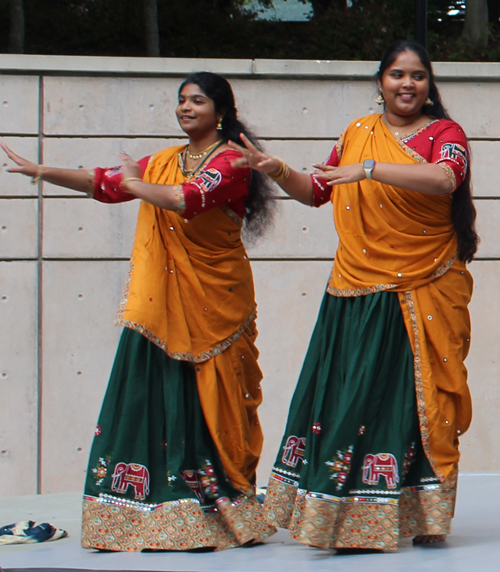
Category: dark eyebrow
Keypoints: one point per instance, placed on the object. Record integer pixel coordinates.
(424, 71)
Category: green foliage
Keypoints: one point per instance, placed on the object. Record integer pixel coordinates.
(222, 29)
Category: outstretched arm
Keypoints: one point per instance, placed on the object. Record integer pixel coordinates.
(75, 179)
(425, 178)
(297, 185)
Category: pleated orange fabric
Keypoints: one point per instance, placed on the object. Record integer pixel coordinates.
(391, 239)
(190, 287)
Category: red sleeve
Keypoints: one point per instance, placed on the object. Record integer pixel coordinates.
(218, 184)
(321, 191)
(107, 184)
(450, 149)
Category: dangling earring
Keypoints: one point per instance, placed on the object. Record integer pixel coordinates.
(428, 101)
(380, 99)
(219, 124)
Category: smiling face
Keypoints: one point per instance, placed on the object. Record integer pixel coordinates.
(405, 87)
(196, 112)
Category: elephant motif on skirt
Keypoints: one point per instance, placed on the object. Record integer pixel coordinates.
(192, 479)
(294, 450)
(381, 464)
(131, 474)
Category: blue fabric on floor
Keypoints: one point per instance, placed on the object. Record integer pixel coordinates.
(28, 532)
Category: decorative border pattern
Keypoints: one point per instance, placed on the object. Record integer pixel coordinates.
(124, 526)
(411, 152)
(350, 292)
(451, 175)
(443, 269)
(287, 473)
(419, 130)
(186, 356)
(232, 215)
(363, 521)
(179, 199)
(419, 389)
(90, 183)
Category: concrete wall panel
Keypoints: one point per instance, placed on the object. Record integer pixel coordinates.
(18, 228)
(79, 305)
(19, 100)
(299, 231)
(306, 109)
(12, 184)
(485, 157)
(84, 228)
(18, 378)
(487, 224)
(479, 446)
(110, 106)
(301, 155)
(470, 103)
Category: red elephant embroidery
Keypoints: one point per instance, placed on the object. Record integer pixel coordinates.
(193, 480)
(293, 450)
(131, 474)
(381, 464)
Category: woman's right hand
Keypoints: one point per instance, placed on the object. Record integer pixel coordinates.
(253, 158)
(24, 166)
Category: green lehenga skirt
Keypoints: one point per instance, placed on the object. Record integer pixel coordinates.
(155, 480)
(351, 471)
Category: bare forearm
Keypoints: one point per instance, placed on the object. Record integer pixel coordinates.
(427, 178)
(163, 196)
(75, 179)
(298, 186)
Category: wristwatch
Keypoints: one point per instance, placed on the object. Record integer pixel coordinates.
(368, 166)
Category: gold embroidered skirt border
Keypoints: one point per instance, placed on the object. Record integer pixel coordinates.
(367, 519)
(179, 525)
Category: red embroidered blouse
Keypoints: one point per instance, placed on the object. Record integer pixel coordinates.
(217, 184)
(442, 141)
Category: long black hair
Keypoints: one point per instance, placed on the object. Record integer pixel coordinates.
(259, 205)
(463, 212)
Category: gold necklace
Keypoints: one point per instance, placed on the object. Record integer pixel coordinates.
(197, 156)
(182, 156)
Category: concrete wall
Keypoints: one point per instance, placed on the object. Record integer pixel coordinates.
(64, 257)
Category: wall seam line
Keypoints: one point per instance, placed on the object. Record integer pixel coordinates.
(40, 293)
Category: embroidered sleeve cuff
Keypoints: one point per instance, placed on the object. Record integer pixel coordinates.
(451, 176)
(180, 200)
(90, 184)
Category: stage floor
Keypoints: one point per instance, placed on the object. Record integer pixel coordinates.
(473, 546)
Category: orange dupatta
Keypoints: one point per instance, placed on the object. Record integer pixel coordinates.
(403, 241)
(190, 288)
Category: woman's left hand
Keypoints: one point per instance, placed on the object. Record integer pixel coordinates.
(130, 167)
(340, 175)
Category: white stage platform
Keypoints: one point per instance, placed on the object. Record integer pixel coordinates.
(473, 546)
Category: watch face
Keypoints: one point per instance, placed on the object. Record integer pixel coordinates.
(368, 164)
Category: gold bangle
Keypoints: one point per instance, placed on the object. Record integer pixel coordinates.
(38, 175)
(283, 172)
(128, 180)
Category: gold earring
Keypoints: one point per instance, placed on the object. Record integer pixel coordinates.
(380, 99)
(219, 125)
(428, 101)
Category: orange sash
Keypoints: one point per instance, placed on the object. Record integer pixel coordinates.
(403, 241)
(190, 288)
